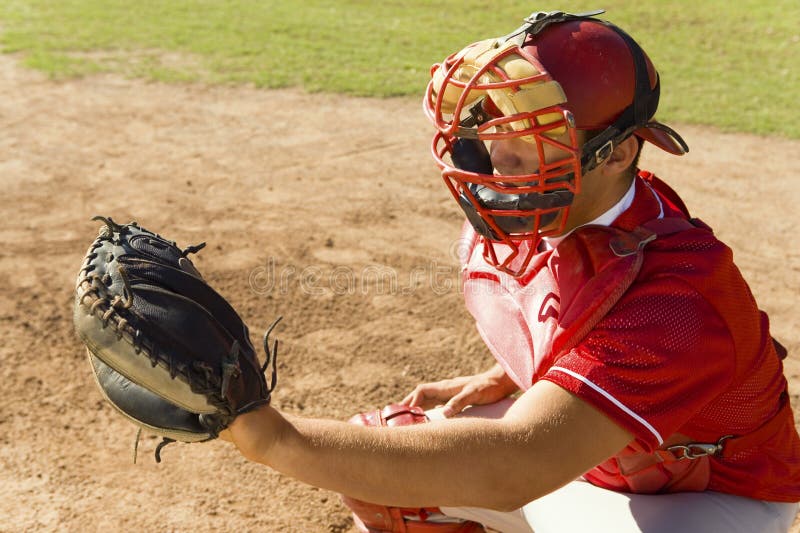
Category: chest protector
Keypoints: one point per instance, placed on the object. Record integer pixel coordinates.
(563, 295)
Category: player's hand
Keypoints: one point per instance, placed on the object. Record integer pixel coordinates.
(458, 393)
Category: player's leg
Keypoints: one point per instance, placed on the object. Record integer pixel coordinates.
(581, 506)
(375, 518)
(507, 522)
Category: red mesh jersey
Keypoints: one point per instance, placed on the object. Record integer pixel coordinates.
(686, 350)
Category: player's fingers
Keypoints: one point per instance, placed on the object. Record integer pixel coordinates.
(418, 396)
(428, 395)
(411, 399)
(457, 403)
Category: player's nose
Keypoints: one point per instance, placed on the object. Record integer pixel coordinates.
(513, 157)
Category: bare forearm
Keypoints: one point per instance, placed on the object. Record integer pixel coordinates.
(546, 439)
(411, 466)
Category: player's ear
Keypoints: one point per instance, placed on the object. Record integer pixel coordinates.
(622, 156)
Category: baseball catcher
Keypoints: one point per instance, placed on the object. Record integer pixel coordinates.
(635, 383)
(636, 386)
(166, 349)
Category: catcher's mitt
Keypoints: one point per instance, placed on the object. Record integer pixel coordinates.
(167, 350)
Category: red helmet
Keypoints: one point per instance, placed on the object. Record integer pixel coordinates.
(557, 73)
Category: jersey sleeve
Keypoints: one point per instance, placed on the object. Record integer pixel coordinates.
(655, 360)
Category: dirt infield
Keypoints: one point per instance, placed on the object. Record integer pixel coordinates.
(324, 209)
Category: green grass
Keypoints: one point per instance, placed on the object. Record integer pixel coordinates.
(729, 64)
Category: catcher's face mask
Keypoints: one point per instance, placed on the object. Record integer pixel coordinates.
(497, 89)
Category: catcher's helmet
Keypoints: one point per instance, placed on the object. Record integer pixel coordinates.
(556, 74)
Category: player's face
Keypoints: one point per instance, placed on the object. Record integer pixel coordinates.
(600, 188)
(515, 157)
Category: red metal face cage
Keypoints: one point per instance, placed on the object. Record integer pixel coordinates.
(493, 91)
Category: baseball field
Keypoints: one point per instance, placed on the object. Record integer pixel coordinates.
(294, 144)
